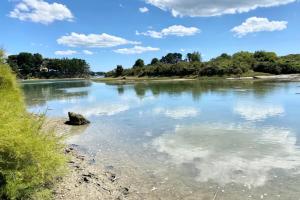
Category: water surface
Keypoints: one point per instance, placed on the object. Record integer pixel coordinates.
(186, 139)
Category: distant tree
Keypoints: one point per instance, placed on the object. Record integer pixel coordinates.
(290, 63)
(242, 61)
(28, 65)
(266, 62)
(119, 70)
(154, 61)
(224, 56)
(263, 56)
(171, 58)
(194, 57)
(139, 63)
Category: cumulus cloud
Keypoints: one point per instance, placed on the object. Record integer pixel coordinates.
(256, 24)
(87, 52)
(136, 50)
(40, 11)
(206, 8)
(144, 10)
(175, 30)
(93, 40)
(258, 112)
(65, 53)
(231, 153)
(177, 113)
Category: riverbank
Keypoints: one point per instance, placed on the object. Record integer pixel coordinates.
(259, 76)
(85, 179)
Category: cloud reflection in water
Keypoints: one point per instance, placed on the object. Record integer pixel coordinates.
(177, 113)
(100, 109)
(231, 153)
(257, 112)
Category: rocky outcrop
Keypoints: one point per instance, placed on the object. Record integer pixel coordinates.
(76, 119)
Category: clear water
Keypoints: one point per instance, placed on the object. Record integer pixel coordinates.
(188, 139)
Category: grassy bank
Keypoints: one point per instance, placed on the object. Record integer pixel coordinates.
(30, 159)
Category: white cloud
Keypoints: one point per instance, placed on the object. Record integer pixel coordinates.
(177, 113)
(136, 50)
(175, 30)
(65, 53)
(144, 10)
(258, 112)
(256, 24)
(232, 153)
(87, 52)
(40, 11)
(93, 40)
(205, 8)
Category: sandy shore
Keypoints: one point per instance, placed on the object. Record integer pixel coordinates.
(290, 77)
(86, 180)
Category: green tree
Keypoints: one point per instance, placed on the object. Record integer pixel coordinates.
(154, 61)
(266, 62)
(171, 58)
(242, 61)
(194, 57)
(139, 63)
(119, 70)
(28, 65)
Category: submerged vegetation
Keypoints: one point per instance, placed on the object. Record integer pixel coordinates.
(237, 64)
(30, 159)
(27, 65)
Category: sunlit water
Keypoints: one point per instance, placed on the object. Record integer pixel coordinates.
(186, 140)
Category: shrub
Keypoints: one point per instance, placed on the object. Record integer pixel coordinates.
(30, 159)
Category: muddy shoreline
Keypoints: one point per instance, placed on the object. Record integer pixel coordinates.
(85, 179)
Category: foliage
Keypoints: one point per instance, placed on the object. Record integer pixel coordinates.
(2, 55)
(194, 57)
(290, 64)
(119, 70)
(30, 159)
(139, 63)
(239, 63)
(171, 58)
(154, 61)
(27, 65)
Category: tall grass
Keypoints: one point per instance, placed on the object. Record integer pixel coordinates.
(30, 159)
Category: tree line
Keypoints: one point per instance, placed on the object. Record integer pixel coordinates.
(174, 64)
(28, 65)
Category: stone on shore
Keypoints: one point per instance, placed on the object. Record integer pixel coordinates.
(76, 119)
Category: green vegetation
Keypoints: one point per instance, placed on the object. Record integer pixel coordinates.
(237, 64)
(30, 159)
(2, 54)
(27, 65)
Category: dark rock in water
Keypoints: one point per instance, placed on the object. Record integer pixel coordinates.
(76, 119)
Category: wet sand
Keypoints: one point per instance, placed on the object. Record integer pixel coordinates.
(85, 180)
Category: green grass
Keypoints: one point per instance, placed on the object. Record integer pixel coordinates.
(30, 159)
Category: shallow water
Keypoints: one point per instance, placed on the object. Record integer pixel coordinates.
(187, 139)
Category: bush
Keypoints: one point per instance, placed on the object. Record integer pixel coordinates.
(30, 159)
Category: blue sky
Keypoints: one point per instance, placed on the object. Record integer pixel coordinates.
(107, 33)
